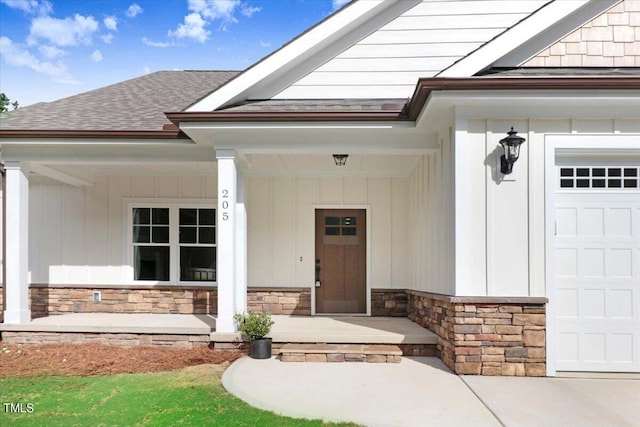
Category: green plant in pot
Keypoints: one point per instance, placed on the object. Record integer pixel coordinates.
(254, 327)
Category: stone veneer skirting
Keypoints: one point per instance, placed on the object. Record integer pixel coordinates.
(289, 301)
(46, 300)
(52, 300)
(476, 335)
(126, 340)
(389, 302)
(485, 335)
(49, 300)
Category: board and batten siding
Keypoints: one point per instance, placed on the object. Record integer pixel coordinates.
(76, 234)
(281, 227)
(430, 242)
(500, 225)
(421, 42)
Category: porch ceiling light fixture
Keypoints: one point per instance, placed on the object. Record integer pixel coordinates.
(340, 159)
(511, 146)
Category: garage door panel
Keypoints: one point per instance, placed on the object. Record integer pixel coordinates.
(597, 263)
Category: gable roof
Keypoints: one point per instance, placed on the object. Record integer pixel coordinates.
(483, 32)
(133, 105)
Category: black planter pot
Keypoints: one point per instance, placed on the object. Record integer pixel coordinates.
(260, 348)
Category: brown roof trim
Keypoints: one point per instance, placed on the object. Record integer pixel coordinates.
(99, 134)
(284, 116)
(427, 85)
(424, 88)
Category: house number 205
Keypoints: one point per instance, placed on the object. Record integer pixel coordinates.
(225, 205)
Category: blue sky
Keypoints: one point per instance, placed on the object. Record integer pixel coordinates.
(50, 49)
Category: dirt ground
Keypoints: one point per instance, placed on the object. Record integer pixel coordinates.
(100, 359)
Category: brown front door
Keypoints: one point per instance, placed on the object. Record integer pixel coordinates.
(341, 261)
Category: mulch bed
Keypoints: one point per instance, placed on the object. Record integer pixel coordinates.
(100, 359)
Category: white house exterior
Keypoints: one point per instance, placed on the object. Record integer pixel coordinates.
(226, 197)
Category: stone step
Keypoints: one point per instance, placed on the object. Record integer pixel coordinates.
(371, 353)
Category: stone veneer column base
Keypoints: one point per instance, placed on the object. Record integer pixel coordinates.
(485, 335)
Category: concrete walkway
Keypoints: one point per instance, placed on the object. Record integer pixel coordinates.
(421, 391)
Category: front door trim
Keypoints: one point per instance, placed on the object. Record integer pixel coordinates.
(367, 209)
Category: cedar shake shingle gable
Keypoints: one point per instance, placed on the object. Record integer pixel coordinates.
(138, 104)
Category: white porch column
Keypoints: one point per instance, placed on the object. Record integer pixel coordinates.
(226, 248)
(241, 244)
(17, 249)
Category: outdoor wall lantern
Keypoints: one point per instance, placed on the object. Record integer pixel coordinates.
(511, 146)
(340, 159)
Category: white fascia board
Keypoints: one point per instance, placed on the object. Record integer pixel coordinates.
(540, 104)
(514, 37)
(246, 126)
(293, 53)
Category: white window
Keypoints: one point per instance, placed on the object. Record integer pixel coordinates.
(172, 242)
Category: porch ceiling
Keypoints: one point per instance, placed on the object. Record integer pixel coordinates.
(324, 164)
(85, 174)
(254, 164)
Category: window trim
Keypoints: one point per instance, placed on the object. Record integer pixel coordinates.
(174, 206)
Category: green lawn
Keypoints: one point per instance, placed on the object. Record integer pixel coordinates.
(189, 397)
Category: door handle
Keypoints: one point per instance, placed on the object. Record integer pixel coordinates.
(318, 283)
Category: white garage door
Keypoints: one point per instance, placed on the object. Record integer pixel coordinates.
(597, 267)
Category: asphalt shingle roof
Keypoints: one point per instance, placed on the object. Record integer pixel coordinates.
(136, 104)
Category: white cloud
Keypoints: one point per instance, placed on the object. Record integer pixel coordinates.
(111, 22)
(215, 9)
(63, 32)
(133, 10)
(96, 55)
(203, 13)
(33, 7)
(193, 27)
(18, 56)
(146, 70)
(51, 51)
(264, 44)
(107, 38)
(248, 11)
(152, 43)
(337, 4)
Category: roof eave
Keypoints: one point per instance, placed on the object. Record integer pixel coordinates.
(285, 116)
(93, 134)
(426, 86)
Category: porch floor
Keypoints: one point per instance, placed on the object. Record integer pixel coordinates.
(300, 329)
(343, 329)
(119, 323)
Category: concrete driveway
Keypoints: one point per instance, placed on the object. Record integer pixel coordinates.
(546, 402)
(421, 391)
